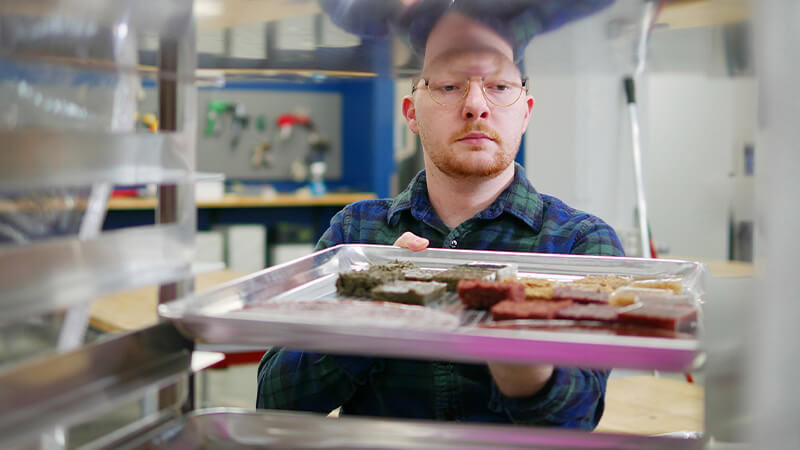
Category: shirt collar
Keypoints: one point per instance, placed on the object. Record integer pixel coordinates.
(519, 199)
(413, 198)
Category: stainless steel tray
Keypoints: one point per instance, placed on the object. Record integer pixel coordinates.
(231, 428)
(218, 316)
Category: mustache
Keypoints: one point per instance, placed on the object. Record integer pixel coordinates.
(475, 128)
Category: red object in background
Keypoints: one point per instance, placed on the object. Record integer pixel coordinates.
(653, 253)
(289, 120)
(125, 193)
(286, 122)
(235, 359)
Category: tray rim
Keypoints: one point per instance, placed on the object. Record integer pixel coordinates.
(168, 308)
(200, 325)
(357, 431)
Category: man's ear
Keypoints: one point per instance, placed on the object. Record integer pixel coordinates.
(529, 101)
(410, 113)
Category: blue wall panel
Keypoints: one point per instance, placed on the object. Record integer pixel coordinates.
(368, 134)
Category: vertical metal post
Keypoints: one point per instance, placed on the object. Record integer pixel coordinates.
(641, 202)
(169, 198)
(774, 353)
(648, 19)
(167, 209)
(169, 195)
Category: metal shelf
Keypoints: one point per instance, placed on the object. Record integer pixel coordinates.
(43, 277)
(70, 81)
(63, 390)
(44, 158)
(167, 19)
(233, 429)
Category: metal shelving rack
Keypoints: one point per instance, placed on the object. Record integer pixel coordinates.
(57, 387)
(70, 74)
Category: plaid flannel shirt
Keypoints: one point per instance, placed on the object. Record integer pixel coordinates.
(520, 219)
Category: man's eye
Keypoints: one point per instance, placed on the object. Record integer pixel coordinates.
(448, 88)
(499, 87)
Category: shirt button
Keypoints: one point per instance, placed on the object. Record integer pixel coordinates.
(454, 243)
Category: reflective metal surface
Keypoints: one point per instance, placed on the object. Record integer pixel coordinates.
(217, 316)
(166, 18)
(773, 397)
(233, 429)
(64, 389)
(41, 277)
(69, 85)
(31, 215)
(25, 339)
(51, 158)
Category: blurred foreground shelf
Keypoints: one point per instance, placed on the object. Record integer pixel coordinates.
(248, 201)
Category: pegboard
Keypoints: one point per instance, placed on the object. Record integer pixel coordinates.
(214, 153)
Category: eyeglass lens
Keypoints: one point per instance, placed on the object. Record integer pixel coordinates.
(499, 92)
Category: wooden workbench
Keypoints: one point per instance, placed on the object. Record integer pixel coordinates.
(722, 268)
(272, 212)
(650, 405)
(136, 309)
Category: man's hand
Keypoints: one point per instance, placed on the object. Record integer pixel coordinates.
(513, 380)
(520, 381)
(412, 242)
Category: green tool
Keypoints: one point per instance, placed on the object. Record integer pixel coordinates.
(239, 120)
(215, 109)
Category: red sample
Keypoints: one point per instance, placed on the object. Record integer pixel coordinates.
(484, 294)
(668, 317)
(533, 309)
(599, 313)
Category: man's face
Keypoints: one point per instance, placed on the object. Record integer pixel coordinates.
(472, 137)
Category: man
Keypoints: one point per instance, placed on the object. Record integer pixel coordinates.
(470, 108)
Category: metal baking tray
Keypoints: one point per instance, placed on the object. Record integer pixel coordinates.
(438, 332)
(232, 429)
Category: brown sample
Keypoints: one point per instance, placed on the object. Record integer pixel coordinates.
(359, 283)
(455, 274)
(419, 274)
(410, 292)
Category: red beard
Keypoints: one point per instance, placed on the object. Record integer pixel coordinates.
(456, 164)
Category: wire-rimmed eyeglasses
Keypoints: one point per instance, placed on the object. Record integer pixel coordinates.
(498, 92)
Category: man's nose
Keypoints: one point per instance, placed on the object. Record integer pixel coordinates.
(475, 104)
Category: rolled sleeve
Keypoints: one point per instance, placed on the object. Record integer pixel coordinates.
(334, 234)
(572, 398)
